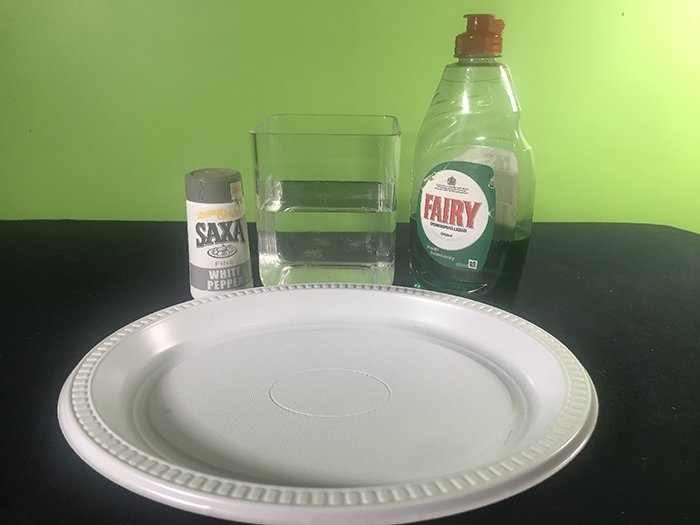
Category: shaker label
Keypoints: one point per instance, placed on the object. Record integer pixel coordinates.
(214, 280)
(456, 212)
(218, 244)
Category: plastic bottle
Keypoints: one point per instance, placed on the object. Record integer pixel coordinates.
(473, 179)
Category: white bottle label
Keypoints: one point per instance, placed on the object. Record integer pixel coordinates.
(455, 215)
(218, 244)
(454, 210)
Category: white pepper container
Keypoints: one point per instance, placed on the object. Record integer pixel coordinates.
(217, 233)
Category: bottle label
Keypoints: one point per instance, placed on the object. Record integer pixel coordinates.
(218, 244)
(456, 212)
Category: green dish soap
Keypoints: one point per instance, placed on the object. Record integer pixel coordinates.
(473, 178)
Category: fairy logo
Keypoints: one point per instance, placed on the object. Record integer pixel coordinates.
(446, 210)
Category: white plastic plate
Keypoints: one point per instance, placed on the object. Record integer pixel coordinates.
(343, 404)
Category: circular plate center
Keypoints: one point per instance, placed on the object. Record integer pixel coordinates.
(330, 406)
(330, 392)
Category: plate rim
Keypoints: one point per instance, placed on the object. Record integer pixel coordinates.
(229, 498)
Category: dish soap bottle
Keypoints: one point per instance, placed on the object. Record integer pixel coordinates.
(473, 178)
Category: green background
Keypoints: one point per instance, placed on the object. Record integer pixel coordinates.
(106, 104)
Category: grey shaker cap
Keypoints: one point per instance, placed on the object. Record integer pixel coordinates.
(210, 185)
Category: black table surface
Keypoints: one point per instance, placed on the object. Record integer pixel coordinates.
(624, 298)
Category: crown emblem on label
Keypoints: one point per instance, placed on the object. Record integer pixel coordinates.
(451, 181)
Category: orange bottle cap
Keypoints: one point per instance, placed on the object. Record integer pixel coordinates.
(482, 37)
